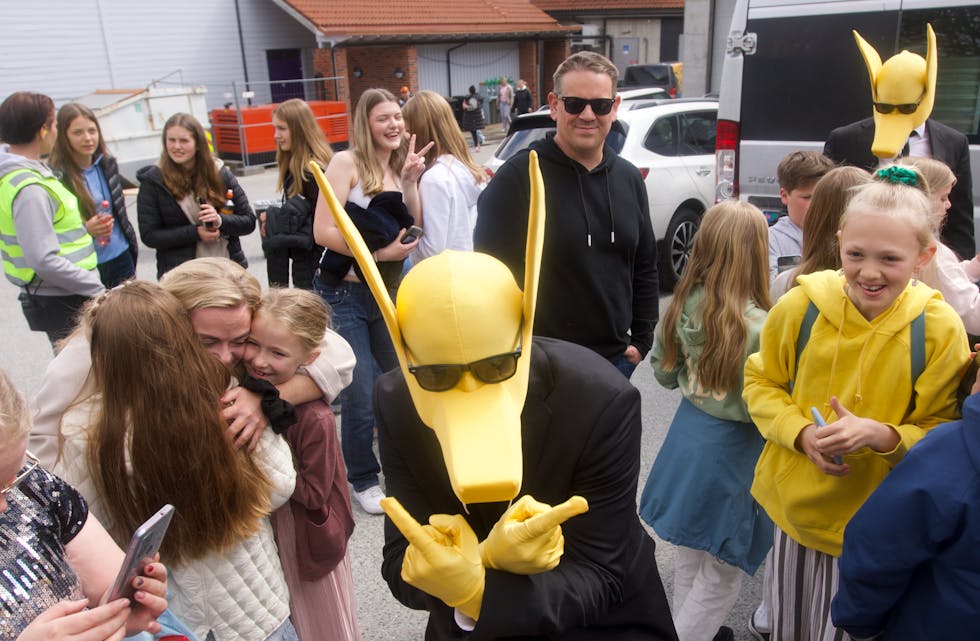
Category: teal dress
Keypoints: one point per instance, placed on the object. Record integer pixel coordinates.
(697, 494)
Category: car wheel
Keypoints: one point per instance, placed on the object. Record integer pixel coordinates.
(676, 247)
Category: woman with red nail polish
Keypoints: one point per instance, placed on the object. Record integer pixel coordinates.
(57, 562)
(163, 440)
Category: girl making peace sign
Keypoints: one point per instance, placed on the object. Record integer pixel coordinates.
(377, 180)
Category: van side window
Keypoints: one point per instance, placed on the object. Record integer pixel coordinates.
(697, 133)
(662, 136)
(958, 83)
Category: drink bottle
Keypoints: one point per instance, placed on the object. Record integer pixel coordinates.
(103, 210)
(229, 207)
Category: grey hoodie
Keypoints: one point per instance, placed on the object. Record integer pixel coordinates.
(34, 211)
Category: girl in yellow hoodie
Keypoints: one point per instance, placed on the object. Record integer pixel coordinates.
(881, 364)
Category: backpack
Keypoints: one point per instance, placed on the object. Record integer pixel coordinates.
(917, 347)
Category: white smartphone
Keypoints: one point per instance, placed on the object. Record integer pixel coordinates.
(820, 422)
(142, 548)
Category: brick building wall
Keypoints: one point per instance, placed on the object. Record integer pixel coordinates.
(555, 51)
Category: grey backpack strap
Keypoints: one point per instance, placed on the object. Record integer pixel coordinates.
(809, 317)
(917, 351)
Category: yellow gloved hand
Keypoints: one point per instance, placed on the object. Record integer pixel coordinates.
(442, 559)
(528, 539)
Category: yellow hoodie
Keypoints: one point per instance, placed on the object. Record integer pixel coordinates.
(867, 366)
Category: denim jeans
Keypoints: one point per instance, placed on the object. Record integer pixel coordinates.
(357, 318)
(117, 270)
(622, 363)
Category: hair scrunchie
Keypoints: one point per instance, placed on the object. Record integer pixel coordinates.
(897, 175)
(281, 414)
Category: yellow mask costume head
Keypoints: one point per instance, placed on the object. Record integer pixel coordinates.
(464, 309)
(903, 90)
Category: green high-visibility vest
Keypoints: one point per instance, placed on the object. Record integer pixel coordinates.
(74, 242)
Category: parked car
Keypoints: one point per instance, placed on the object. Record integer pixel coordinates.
(672, 143)
(652, 75)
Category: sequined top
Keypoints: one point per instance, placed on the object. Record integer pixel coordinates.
(44, 513)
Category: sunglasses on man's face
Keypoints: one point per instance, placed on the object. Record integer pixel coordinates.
(492, 369)
(887, 108)
(575, 106)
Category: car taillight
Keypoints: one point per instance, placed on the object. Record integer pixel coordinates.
(726, 160)
(644, 172)
(673, 92)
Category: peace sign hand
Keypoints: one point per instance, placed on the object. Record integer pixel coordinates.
(414, 162)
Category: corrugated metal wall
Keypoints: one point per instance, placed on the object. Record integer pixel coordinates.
(470, 64)
(69, 48)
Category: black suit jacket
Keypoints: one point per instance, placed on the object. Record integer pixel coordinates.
(851, 145)
(581, 435)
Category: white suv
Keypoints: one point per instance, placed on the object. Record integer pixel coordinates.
(672, 143)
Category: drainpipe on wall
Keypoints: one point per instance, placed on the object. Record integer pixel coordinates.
(105, 44)
(323, 42)
(241, 46)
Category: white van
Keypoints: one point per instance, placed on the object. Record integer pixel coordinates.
(792, 73)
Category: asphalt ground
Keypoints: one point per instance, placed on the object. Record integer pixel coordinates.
(25, 355)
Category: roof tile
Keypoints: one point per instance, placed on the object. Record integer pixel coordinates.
(424, 17)
(605, 5)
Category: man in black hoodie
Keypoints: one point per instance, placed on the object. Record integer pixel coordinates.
(599, 268)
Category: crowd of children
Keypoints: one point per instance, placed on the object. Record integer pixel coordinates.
(860, 359)
(813, 357)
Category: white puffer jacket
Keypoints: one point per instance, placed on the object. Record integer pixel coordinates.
(239, 594)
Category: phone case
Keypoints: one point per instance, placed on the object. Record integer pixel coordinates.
(142, 548)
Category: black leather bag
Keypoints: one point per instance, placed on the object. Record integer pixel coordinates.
(289, 226)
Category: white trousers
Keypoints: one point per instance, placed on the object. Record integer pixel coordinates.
(705, 589)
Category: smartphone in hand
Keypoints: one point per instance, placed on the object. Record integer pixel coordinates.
(820, 422)
(413, 232)
(209, 224)
(142, 548)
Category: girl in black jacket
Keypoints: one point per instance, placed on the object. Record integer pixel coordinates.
(89, 172)
(298, 141)
(179, 199)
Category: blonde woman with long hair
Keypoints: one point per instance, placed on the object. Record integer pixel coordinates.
(452, 180)
(377, 181)
(150, 431)
(697, 494)
(299, 140)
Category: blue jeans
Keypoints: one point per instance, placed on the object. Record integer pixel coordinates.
(621, 363)
(116, 270)
(357, 318)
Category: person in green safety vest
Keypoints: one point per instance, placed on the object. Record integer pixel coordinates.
(45, 248)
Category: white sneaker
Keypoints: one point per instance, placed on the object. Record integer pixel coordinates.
(370, 499)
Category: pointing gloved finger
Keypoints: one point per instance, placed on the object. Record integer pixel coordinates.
(544, 522)
(407, 525)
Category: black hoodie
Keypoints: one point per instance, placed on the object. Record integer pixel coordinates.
(598, 284)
